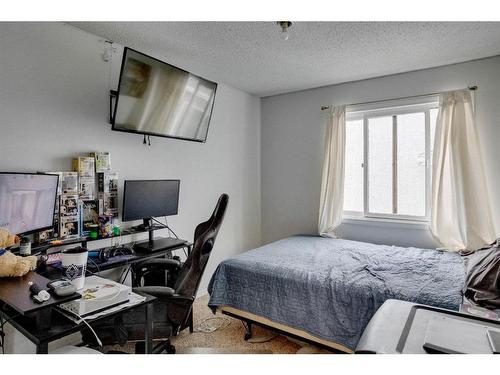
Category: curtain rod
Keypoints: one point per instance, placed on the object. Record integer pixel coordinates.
(473, 88)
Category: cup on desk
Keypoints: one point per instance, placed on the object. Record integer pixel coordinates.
(74, 265)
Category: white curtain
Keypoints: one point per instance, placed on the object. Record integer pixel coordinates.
(332, 184)
(461, 214)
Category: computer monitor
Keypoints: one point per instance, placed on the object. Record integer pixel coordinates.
(27, 201)
(146, 199)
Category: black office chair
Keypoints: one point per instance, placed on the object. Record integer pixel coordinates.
(173, 308)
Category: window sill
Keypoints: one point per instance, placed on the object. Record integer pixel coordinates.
(385, 223)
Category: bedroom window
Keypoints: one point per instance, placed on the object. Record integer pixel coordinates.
(388, 161)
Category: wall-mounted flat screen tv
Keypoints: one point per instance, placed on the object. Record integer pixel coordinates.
(156, 98)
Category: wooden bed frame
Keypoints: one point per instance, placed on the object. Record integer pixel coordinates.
(249, 319)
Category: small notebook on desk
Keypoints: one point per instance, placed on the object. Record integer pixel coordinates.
(448, 335)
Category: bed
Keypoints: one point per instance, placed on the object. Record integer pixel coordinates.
(325, 290)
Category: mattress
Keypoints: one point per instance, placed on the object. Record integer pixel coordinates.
(331, 288)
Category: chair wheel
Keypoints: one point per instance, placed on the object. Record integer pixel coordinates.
(171, 349)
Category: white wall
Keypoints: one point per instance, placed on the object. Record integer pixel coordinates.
(54, 106)
(293, 139)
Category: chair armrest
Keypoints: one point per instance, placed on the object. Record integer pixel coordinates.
(164, 292)
(181, 298)
(160, 263)
(156, 291)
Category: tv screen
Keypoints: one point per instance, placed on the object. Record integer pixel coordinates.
(156, 98)
(27, 201)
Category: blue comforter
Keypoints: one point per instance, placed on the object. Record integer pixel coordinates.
(331, 287)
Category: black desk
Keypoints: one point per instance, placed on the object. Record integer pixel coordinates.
(43, 323)
(37, 249)
(60, 326)
(96, 266)
(14, 291)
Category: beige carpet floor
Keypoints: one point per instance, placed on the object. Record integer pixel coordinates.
(227, 339)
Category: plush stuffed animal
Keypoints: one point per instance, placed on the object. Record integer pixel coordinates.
(7, 239)
(10, 264)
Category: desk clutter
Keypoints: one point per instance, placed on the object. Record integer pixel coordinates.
(48, 319)
(36, 303)
(87, 200)
(110, 310)
(98, 259)
(97, 294)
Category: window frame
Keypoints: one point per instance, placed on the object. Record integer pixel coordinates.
(393, 109)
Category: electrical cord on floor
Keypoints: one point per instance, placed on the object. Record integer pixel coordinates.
(212, 324)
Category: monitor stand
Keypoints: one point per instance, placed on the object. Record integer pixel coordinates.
(158, 244)
(152, 244)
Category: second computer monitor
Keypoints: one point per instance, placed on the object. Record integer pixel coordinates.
(144, 199)
(27, 201)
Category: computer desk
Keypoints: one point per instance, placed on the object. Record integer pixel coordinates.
(94, 266)
(43, 328)
(42, 323)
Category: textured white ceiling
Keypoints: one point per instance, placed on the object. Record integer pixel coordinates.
(251, 55)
